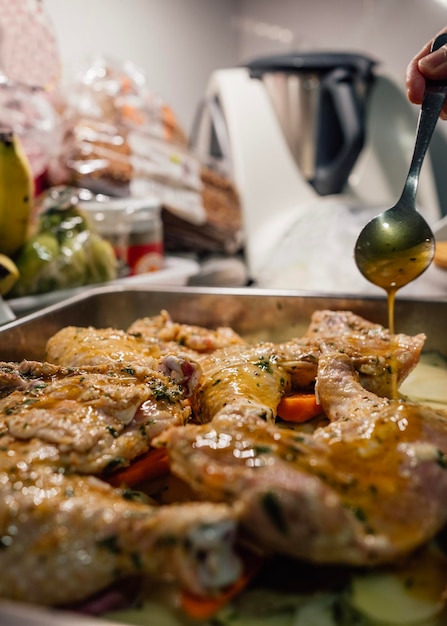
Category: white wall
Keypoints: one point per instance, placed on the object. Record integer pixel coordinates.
(177, 42)
(180, 42)
(391, 31)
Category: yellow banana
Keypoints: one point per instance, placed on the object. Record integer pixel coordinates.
(9, 274)
(16, 193)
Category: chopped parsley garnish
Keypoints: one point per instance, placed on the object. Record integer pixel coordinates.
(113, 431)
(163, 392)
(111, 544)
(113, 464)
(273, 508)
(441, 459)
(264, 364)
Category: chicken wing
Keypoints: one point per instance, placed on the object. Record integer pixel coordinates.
(65, 537)
(253, 378)
(371, 347)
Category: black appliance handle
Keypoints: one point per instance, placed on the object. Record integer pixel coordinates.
(319, 62)
(338, 90)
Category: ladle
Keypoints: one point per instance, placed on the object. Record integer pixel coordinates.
(398, 245)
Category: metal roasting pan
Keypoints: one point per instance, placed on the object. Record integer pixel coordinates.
(255, 313)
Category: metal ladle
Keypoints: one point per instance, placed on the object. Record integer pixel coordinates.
(398, 245)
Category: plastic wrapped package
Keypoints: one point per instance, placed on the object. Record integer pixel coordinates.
(119, 135)
(29, 49)
(121, 140)
(222, 230)
(30, 68)
(30, 114)
(63, 251)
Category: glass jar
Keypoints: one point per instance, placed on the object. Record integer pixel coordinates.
(134, 228)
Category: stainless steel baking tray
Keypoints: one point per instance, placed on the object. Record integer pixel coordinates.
(262, 314)
(267, 314)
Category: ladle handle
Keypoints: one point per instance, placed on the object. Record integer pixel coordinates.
(434, 97)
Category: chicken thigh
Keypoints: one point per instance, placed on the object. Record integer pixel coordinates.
(364, 489)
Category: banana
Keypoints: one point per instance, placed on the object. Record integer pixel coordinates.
(9, 274)
(16, 193)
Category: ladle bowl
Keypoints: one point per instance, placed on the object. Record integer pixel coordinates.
(395, 247)
(398, 245)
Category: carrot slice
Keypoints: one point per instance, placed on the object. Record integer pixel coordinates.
(299, 407)
(153, 464)
(204, 607)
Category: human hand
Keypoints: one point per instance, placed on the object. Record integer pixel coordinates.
(426, 64)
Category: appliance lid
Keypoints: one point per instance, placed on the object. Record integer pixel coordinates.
(320, 62)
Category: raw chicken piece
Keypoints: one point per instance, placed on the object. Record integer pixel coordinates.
(161, 328)
(146, 342)
(253, 378)
(365, 341)
(243, 379)
(65, 537)
(374, 352)
(92, 419)
(367, 488)
(297, 494)
(76, 346)
(153, 338)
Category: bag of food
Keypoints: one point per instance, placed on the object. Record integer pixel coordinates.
(121, 140)
(63, 250)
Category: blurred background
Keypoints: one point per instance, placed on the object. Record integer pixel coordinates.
(249, 140)
(180, 42)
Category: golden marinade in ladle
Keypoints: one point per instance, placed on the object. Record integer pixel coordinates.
(398, 245)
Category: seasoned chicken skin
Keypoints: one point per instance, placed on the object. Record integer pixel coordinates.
(94, 419)
(367, 488)
(157, 341)
(373, 351)
(162, 329)
(64, 537)
(108, 395)
(76, 346)
(144, 343)
(253, 378)
(58, 425)
(93, 410)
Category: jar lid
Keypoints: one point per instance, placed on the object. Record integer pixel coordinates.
(127, 209)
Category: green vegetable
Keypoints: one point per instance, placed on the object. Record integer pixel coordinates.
(65, 252)
(32, 261)
(101, 260)
(73, 261)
